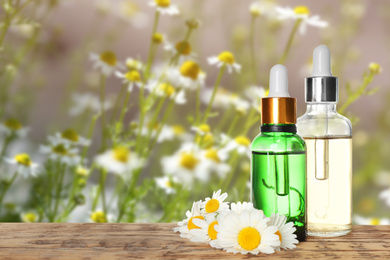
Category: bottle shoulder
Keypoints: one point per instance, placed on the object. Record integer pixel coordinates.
(324, 125)
(278, 143)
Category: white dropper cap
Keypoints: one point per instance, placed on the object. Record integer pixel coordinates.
(278, 82)
(321, 62)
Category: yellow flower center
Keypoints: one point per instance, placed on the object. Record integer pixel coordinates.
(163, 3)
(242, 140)
(249, 238)
(226, 57)
(213, 155)
(184, 47)
(23, 159)
(188, 160)
(158, 38)
(375, 68)
(168, 184)
(211, 230)
(133, 64)
(212, 206)
(178, 129)
(190, 69)
(109, 58)
(70, 134)
(280, 235)
(60, 149)
(12, 124)
(167, 89)
(205, 141)
(29, 217)
(133, 76)
(82, 171)
(99, 217)
(121, 154)
(302, 10)
(375, 221)
(204, 128)
(191, 224)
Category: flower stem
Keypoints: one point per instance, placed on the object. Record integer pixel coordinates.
(5, 189)
(290, 41)
(216, 86)
(253, 50)
(89, 136)
(124, 107)
(102, 181)
(103, 111)
(150, 54)
(118, 101)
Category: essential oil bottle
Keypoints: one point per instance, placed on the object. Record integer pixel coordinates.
(278, 165)
(328, 137)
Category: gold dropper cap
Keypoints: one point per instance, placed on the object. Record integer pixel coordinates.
(278, 110)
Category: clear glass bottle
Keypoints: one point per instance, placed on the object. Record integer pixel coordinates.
(328, 137)
(278, 161)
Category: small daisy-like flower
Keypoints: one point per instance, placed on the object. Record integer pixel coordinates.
(215, 161)
(247, 232)
(166, 90)
(106, 62)
(87, 102)
(188, 76)
(187, 224)
(260, 8)
(25, 166)
(186, 164)
(62, 152)
(206, 231)
(215, 204)
(29, 217)
(131, 78)
(133, 64)
(285, 231)
(359, 220)
(119, 160)
(98, 217)
(82, 171)
(182, 48)
(166, 184)
(225, 99)
(158, 38)
(385, 195)
(165, 7)
(70, 137)
(241, 144)
(227, 59)
(13, 126)
(166, 133)
(375, 68)
(301, 12)
(202, 129)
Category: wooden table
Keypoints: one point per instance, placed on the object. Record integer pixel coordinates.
(157, 241)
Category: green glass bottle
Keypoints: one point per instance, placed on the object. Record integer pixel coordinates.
(278, 169)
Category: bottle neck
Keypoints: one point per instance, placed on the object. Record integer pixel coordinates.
(320, 108)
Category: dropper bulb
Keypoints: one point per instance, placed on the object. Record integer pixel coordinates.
(321, 62)
(278, 82)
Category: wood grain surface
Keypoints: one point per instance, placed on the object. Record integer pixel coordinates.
(158, 241)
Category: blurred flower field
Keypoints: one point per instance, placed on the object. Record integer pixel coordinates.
(138, 139)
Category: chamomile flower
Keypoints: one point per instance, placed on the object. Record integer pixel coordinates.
(119, 160)
(12, 126)
(189, 75)
(131, 78)
(165, 7)
(262, 8)
(182, 49)
(106, 62)
(285, 231)
(29, 217)
(98, 216)
(25, 166)
(206, 231)
(82, 171)
(359, 220)
(227, 59)
(241, 144)
(214, 160)
(215, 204)
(255, 94)
(62, 152)
(87, 102)
(186, 164)
(166, 184)
(166, 89)
(187, 224)
(247, 232)
(385, 195)
(70, 137)
(202, 129)
(301, 12)
(134, 64)
(167, 133)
